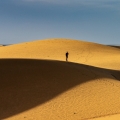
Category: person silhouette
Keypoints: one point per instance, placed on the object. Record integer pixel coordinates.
(67, 56)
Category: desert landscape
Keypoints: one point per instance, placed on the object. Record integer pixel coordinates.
(37, 83)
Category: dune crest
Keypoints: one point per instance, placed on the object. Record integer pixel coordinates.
(54, 49)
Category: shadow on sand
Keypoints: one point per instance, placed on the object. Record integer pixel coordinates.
(26, 83)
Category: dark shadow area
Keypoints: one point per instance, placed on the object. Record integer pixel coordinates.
(27, 83)
(115, 46)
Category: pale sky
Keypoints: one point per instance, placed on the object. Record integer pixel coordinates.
(90, 20)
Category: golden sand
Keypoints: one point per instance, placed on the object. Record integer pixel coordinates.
(38, 84)
(54, 49)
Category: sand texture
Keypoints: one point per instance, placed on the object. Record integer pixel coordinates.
(36, 83)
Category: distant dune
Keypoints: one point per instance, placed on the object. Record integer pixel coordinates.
(115, 46)
(38, 84)
(1, 45)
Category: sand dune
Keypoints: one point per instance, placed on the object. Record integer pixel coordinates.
(54, 49)
(1, 45)
(115, 46)
(38, 84)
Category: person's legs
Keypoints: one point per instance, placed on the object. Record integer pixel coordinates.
(66, 58)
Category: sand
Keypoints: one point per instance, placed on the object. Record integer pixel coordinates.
(109, 117)
(38, 84)
(54, 49)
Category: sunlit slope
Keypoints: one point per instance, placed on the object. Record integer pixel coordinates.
(55, 49)
(56, 90)
(108, 117)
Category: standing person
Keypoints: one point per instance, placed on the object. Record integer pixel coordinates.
(67, 56)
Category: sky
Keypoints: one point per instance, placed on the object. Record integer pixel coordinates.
(90, 20)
